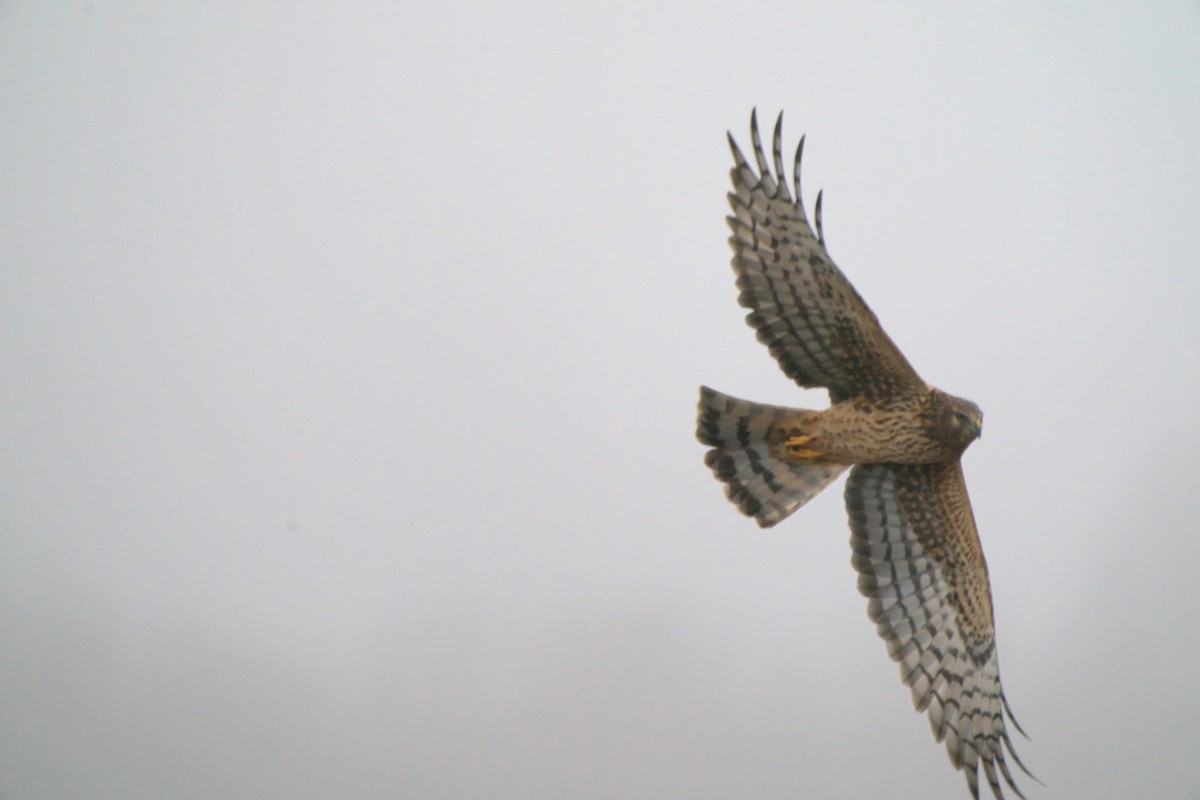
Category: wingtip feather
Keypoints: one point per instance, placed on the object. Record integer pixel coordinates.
(777, 152)
(764, 169)
(817, 217)
(796, 172)
(739, 160)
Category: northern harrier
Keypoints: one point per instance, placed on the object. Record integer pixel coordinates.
(913, 535)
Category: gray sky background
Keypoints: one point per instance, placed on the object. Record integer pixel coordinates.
(348, 363)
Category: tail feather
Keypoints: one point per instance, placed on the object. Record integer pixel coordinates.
(757, 479)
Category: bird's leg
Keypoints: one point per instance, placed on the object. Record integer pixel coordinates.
(798, 449)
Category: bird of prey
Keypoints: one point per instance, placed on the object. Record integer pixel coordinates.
(914, 541)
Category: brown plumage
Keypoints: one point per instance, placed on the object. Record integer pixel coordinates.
(913, 535)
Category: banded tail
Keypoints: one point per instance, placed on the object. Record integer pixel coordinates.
(747, 440)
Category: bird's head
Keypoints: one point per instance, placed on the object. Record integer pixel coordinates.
(959, 422)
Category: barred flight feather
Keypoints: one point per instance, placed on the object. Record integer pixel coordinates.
(916, 578)
(759, 483)
(806, 312)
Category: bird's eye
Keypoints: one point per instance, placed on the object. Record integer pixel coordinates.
(962, 418)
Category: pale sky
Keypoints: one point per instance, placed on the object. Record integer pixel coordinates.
(348, 366)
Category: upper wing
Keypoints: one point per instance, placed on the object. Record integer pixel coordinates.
(920, 563)
(815, 324)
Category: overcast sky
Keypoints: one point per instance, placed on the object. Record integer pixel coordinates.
(349, 356)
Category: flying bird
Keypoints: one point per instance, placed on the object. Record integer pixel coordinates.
(913, 535)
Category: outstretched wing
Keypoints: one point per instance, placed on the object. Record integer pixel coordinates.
(921, 566)
(814, 322)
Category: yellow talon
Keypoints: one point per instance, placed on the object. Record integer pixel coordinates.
(796, 448)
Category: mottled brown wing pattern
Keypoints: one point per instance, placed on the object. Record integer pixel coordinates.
(803, 308)
(921, 566)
